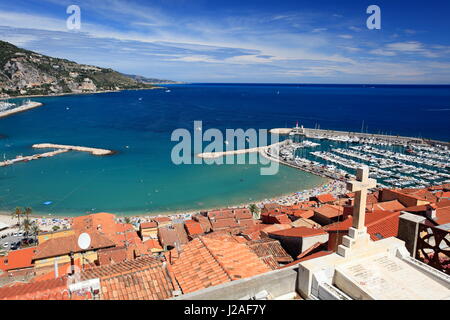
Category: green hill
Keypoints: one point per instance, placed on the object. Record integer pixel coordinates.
(24, 72)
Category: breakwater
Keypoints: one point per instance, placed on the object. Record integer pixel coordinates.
(22, 108)
(213, 155)
(94, 151)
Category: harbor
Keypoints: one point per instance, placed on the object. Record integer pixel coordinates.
(395, 161)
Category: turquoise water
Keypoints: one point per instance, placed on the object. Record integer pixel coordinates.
(141, 178)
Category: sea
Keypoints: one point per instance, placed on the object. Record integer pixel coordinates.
(140, 178)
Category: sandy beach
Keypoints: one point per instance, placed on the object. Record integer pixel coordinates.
(47, 222)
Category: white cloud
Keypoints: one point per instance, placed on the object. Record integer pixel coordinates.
(345, 36)
(382, 52)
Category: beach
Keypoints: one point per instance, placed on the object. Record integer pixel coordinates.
(47, 222)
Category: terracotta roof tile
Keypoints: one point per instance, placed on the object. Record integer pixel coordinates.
(64, 245)
(143, 278)
(324, 198)
(54, 289)
(380, 224)
(300, 232)
(329, 211)
(148, 225)
(393, 205)
(208, 261)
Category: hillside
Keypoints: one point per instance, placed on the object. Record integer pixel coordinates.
(24, 72)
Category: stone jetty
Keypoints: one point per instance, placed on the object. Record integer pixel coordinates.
(94, 151)
(22, 108)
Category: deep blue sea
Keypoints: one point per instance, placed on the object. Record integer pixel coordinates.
(141, 178)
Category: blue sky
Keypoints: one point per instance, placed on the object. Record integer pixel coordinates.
(242, 41)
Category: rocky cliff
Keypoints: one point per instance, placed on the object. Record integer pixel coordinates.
(24, 72)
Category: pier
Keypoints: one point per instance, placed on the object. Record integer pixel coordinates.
(32, 157)
(213, 155)
(94, 151)
(340, 135)
(22, 108)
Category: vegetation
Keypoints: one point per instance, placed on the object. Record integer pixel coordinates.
(254, 210)
(23, 72)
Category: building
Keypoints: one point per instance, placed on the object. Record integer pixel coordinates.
(148, 230)
(328, 214)
(207, 261)
(297, 240)
(145, 278)
(379, 224)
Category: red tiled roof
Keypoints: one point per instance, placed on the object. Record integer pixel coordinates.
(282, 218)
(270, 247)
(160, 220)
(207, 261)
(64, 245)
(329, 210)
(299, 232)
(302, 213)
(243, 214)
(149, 225)
(393, 205)
(193, 227)
(275, 227)
(144, 278)
(220, 214)
(112, 255)
(152, 244)
(443, 194)
(443, 215)
(54, 289)
(380, 224)
(224, 223)
(247, 223)
(18, 259)
(168, 236)
(101, 222)
(324, 198)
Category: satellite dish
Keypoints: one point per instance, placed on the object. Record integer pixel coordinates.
(84, 241)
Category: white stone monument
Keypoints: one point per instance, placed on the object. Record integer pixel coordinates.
(365, 269)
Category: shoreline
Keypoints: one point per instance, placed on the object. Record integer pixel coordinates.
(73, 93)
(187, 212)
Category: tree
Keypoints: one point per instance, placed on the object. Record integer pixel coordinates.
(28, 211)
(26, 224)
(17, 213)
(55, 228)
(127, 220)
(35, 229)
(254, 210)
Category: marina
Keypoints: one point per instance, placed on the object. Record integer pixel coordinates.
(395, 161)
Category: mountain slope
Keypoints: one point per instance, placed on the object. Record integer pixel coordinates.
(24, 72)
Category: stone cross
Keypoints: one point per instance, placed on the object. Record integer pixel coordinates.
(360, 187)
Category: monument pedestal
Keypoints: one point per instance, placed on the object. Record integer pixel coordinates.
(381, 270)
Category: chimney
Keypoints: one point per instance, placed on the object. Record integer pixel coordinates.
(431, 211)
